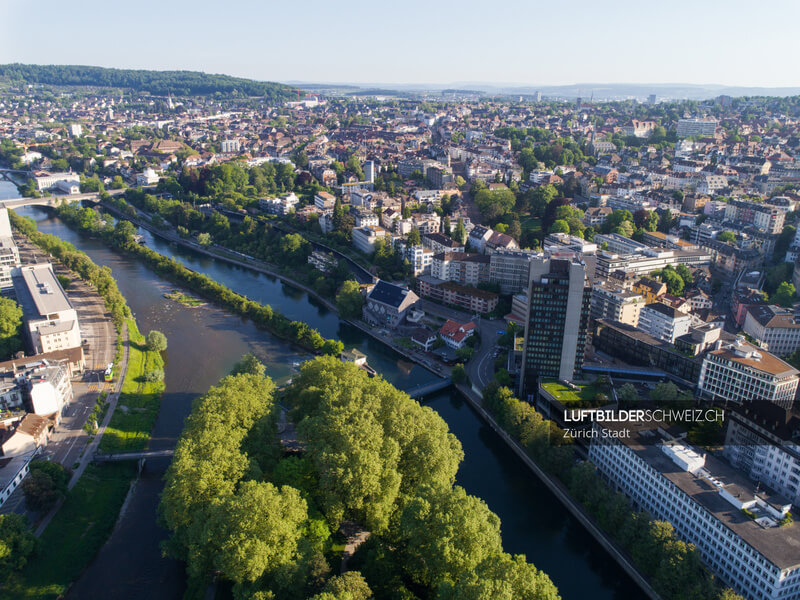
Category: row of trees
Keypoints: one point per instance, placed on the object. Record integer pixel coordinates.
(673, 566)
(10, 328)
(372, 456)
(99, 277)
(121, 236)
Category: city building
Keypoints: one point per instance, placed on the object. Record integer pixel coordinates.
(324, 200)
(230, 146)
(9, 254)
(461, 296)
(279, 206)
(439, 242)
(740, 372)
(45, 181)
(420, 259)
(461, 267)
(49, 320)
(696, 127)
(364, 238)
(774, 328)
(616, 304)
(737, 527)
(387, 304)
(455, 334)
(510, 269)
(663, 321)
(557, 321)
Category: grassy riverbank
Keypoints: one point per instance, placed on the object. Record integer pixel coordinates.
(184, 299)
(75, 535)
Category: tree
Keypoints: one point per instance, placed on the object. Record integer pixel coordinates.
(664, 393)
(784, 295)
(250, 365)
(784, 240)
(460, 233)
(444, 534)
(727, 237)
(45, 485)
(414, 238)
(124, 231)
(627, 394)
(350, 586)
(501, 577)
(10, 327)
(665, 221)
(156, 341)
(349, 300)
(17, 544)
(458, 374)
(673, 280)
(559, 226)
(204, 239)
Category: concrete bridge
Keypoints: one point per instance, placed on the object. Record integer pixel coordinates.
(123, 456)
(426, 389)
(55, 201)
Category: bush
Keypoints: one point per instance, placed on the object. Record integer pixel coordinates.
(45, 485)
(156, 341)
(154, 376)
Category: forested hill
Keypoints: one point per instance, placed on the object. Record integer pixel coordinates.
(161, 83)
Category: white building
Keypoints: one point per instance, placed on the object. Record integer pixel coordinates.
(369, 171)
(75, 130)
(324, 200)
(695, 127)
(741, 372)
(147, 177)
(9, 254)
(774, 328)
(45, 180)
(420, 259)
(664, 322)
(364, 238)
(616, 304)
(49, 320)
(230, 146)
(705, 501)
(279, 206)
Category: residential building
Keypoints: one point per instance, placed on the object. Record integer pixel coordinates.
(147, 177)
(640, 129)
(49, 320)
(461, 267)
(364, 238)
(324, 200)
(279, 206)
(420, 259)
(424, 338)
(439, 242)
(664, 322)
(774, 328)
(740, 372)
(230, 146)
(652, 289)
(708, 503)
(387, 304)
(510, 269)
(468, 298)
(616, 304)
(455, 334)
(557, 321)
(696, 127)
(478, 237)
(9, 254)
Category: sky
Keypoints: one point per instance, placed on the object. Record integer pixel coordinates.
(527, 42)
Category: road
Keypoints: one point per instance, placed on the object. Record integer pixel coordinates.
(69, 440)
(481, 367)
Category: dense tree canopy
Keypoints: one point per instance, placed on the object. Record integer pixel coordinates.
(10, 328)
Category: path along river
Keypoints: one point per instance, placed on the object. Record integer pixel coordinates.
(203, 345)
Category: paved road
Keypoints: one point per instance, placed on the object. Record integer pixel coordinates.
(97, 328)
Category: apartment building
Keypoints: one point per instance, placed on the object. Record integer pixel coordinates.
(461, 296)
(643, 264)
(761, 440)
(510, 269)
(740, 372)
(279, 206)
(49, 320)
(420, 259)
(664, 322)
(439, 242)
(324, 200)
(9, 254)
(388, 304)
(616, 304)
(696, 127)
(364, 238)
(775, 329)
(705, 500)
(461, 267)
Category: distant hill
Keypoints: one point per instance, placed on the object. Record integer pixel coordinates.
(160, 83)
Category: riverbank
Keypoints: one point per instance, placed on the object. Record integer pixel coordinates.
(560, 491)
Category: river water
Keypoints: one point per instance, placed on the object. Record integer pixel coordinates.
(203, 345)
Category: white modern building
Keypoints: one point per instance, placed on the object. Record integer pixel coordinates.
(9, 254)
(664, 322)
(49, 320)
(45, 180)
(364, 238)
(230, 146)
(740, 372)
(279, 206)
(695, 127)
(739, 530)
(775, 329)
(420, 259)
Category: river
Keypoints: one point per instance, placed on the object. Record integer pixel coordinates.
(203, 345)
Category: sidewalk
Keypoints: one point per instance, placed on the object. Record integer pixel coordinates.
(90, 450)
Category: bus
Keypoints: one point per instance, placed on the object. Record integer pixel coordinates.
(108, 375)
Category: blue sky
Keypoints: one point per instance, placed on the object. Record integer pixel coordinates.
(731, 42)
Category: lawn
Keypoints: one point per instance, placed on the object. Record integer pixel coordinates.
(139, 401)
(76, 533)
(584, 396)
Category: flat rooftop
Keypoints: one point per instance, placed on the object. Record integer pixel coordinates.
(39, 292)
(779, 545)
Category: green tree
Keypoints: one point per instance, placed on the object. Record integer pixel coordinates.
(665, 221)
(727, 237)
(559, 226)
(156, 341)
(249, 365)
(10, 327)
(204, 239)
(414, 238)
(444, 534)
(673, 280)
(17, 544)
(627, 394)
(458, 373)
(501, 577)
(348, 586)
(460, 233)
(784, 295)
(664, 393)
(350, 300)
(45, 485)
